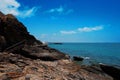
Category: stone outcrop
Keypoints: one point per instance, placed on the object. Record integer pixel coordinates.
(17, 67)
(112, 71)
(76, 58)
(23, 57)
(14, 37)
(14, 31)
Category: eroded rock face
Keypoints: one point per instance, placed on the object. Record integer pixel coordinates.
(15, 38)
(112, 71)
(23, 62)
(14, 31)
(21, 68)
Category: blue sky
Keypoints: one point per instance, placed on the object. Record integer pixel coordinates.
(68, 20)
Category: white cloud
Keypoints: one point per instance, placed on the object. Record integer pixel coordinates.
(89, 29)
(60, 10)
(28, 13)
(51, 10)
(84, 29)
(68, 32)
(12, 7)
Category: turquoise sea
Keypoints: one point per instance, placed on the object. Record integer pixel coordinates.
(107, 53)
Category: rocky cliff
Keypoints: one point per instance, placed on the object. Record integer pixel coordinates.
(14, 37)
(23, 57)
(12, 31)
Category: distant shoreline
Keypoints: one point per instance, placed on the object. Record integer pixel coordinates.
(55, 43)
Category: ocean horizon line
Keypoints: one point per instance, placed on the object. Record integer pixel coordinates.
(83, 42)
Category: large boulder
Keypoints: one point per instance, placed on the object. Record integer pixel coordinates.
(76, 58)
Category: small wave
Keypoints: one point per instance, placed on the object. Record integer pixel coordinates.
(86, 57)
(101, 63)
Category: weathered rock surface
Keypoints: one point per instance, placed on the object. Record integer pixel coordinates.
(12, 31)
(14, 37)
(22, 68)
(22, 57)
(112, 71)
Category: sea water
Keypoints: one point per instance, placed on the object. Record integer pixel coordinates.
(106, 53)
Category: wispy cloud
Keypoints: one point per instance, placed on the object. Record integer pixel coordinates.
(89, 29)
(56, 10)
(83, 29)
(60, 10)
(68, 32)
(28, 13)
(12, 7)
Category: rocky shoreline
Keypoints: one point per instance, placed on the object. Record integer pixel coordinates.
(23, 57)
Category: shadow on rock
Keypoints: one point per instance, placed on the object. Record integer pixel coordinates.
(112, 71)
(28, 55)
